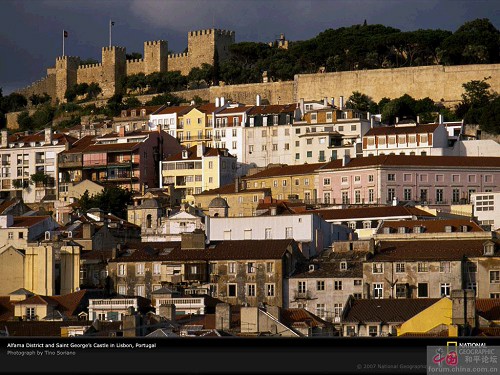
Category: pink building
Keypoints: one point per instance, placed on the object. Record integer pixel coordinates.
(388, 178)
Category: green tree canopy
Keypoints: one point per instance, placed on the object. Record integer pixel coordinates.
(111, 199)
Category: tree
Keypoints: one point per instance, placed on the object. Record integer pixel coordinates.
(361, 102)
(40, 178)
(25, 121)
(13, 102)
(111, 199)
(89, 61)
(114, 105)
(133, 56)
(490, 117)
(43, 116)
(132, 102)
(475, 99)
(39, 99)
(167, 98)
(93, 90)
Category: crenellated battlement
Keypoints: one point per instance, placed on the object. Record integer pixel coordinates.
(135, 61)
(210, 31)
(155, 42)
(67, 58)
(113, 48)
(178, 55)
(90, 66)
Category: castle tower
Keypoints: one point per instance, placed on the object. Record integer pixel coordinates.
(113, 70)
(202, 44)
(155, 56)
(65, 69)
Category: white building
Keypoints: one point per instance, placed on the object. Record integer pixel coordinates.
(312, 233)
(167, 119)
(486, 208)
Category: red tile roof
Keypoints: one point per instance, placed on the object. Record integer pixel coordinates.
(129, 146)
(432, 226)
(272, 109)
(180, 110)
(287, 170)
(370, 212)
(386, 310)
(28, 221)
(290, 317)
(232, 110)
(390, 130)
(433, 250)
(61, 138)
(209, 151)
(80, 145)
(7, 204)
(488, 308)
(149, 110)
(417, 161)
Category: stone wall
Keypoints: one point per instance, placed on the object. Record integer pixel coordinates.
(274, 92)
(12, 119)
(89, 73)
(45, 85)
(440, 83)
(135, 66)
(179, 62)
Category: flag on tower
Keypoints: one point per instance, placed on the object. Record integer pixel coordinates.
(65, 33)
(112, 23)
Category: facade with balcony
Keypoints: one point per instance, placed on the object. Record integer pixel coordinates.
(197, 169)
(113, 309)
(25, 155)
(388, 179)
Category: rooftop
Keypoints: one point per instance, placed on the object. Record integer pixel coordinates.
(390, 130)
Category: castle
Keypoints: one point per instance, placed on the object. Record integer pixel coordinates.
(114, 66)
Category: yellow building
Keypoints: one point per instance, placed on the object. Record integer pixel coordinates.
(197, 169)
(241, 202)
(288, 182)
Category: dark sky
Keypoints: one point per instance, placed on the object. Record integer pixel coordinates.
(31, 30)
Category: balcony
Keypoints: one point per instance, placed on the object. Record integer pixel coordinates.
(298, 295)
(66, 162)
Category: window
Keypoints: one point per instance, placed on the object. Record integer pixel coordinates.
(268, 234)
(326, 198)
(320, 310)
(444, 267)
(471, 178)
(139, 269)
(456, 196)
(357, 196)
(423, 290)
(234, 145)
(326, 181)
(494, 295)
(140, 290)
(344, 180)
(320, 285)
(30, 313)
(358, 282)
(494, 277)
(423, 195)
(391, 194)
(337, 310)
(400, 267)
(122, 269)
(275, 147)
(471, 267)
(212, 268)
(309, 154)
(251, 290)
(11, 235)
(372, 331)
(270, 290)
(378, 268)
(301, 286)
(337, 285)
(283, 183)
(296, 182)
(391, 177)
(306, 182)
(445, 289)
(378, 290)
(269, 267)
(231, 290)
(370, 178)
(231, 267)
(345, 197)
(287, 146)
(343, 265)
(400, 290)
(122, 289)
(156, 268)
(288, 232)
(407, 194)
(439, 195)
(250, 267)
(210, 165)
(371, 195)
(422, 267)
(247, 234)
(250, 149)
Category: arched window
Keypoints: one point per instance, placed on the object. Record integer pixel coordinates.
(148, 221)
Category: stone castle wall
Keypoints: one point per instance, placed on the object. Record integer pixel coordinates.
(179, 62)
(45, 85)
(135, 66)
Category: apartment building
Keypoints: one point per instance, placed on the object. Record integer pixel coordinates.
(486, 208)
(167, 119)
(29, 164)
(195, 170)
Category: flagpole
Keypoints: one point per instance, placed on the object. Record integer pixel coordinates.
(63, 42)
(110, 33)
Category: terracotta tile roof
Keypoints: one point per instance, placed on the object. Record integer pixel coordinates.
(287, 170)
(36, 300)
(488, 308)
(237, 250)
(149, 110)
(146, 251)
(135, 133)
(6, 309)
(386, 310)
(489, 331)
(207, 108)
(209, 151)
(28, 221)
(61, 138)
(330, 268)
(432, 226)
(386, 130)
(290, 317)
(129, 146)
(370, 212)
(180, 110)
(417, 161)
(229, 189)
(232, 110)
(433, 250)
(7, 204)
(272, 109)
(80, 145)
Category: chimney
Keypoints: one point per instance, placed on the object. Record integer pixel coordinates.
(333, 101)
(217, 102)
(88, 231)
(237, 185)
(346, 159)
(48, 136)
(5, 139)
(418, 119)
(441, 118)
(341, 102)
(121, 131)
(200, 150)
(222, 101)
(273, 210)
(463, 304)
(193, 241)
(397, 120)
(6, 221)
(372, 121)
(302, 107)
(325, 101)
(223, 316)
(167, 311)
(257, 100)
(131, 325)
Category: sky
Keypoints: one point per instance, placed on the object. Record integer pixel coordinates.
(31, 30)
